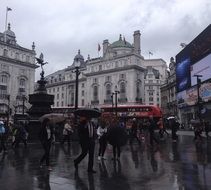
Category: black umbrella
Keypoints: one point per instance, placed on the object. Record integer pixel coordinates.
(117, 136)
(88, 112)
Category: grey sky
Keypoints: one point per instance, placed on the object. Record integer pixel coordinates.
(60, 27)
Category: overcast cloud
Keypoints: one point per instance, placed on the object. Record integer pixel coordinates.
(60, 27)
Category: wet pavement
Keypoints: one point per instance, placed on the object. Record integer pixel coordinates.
(183, 165)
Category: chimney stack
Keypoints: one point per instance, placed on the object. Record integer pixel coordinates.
(137, 42)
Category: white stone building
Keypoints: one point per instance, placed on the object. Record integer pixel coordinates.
(122, 68)
(17, 74)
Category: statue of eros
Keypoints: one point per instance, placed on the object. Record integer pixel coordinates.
(41, 62)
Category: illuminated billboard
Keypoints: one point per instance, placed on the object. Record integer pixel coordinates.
(203, 68)
(183, 75)
(195, 58)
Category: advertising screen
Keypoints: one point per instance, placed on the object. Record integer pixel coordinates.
(183, 74)
(203, 68)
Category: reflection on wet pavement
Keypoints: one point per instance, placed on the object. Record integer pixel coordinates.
(182, 165)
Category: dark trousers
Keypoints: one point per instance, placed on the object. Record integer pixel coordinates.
(86, 147)
(66, 138)
(18, 140)
(134, 136)
(152, 138)
(102, 148)
(46, 146)
(197, 135)
(174, 135)
(2, 143)
(116, 151)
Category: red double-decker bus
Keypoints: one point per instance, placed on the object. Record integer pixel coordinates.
(133, 111)
(127, 113)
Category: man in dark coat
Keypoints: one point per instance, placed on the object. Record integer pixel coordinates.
(152, 126)
(86, 134)
(46, 137)
(134, 131)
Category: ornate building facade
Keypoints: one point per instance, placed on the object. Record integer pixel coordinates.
(168, 92)
(17, 74)
(121, 69)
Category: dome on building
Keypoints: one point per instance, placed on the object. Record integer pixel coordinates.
(9, 32)
(79, 57)
(121, 43)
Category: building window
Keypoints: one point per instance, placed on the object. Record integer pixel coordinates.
(62, 103)
(100, 67)
(108, 92)
(82, 93)
(62, 88)
(49, 90)
(150, 76)
(151, 99)
(150, 81)
(53, 89)
(138, 90)
(82, 102)
(122, 90)
(122, 76)
(57, 104)
(72, 99)
(108, 78)
(82, 85)
(27, 58)
(57, 96)
(4, 79)
(17, 56)
(150, 93)
(62, 95)
(95, 93)
(57, 89)
(22, 82)
(3, 91)
(5, 53)
(95, 80)
(150, 87)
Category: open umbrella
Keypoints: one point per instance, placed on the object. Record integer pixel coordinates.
(53, 117)
(117, 136)
(88, 112)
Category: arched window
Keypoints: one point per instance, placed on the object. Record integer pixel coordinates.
(108, 91)
(95, 93)
(22, 86)
(122, 90)
(22, 82)
(4, 79)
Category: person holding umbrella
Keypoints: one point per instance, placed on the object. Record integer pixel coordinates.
(86, 134)
(46, 137)
(117, 137)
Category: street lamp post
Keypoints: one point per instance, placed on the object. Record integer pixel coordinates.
(115, 93)
(199, 98)
(8, 109)
(23, 109)
(77, 73)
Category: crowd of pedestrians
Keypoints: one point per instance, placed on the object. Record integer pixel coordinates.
(107, 130)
